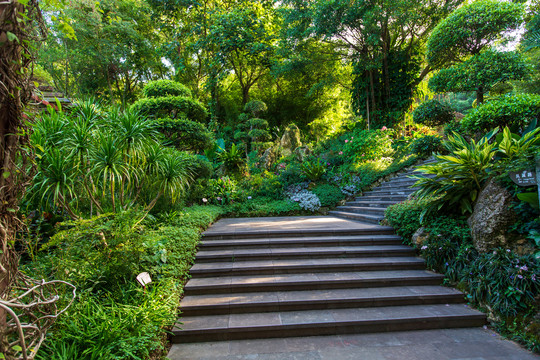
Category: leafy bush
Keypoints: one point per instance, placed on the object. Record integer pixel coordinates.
(221, 191)
(515, 111)
(113, 318)
(313, 170)
(263, 206)
(426, 145)
(175, 107)
(405, 217)
(459, 177)
(201, 167)
(365, 145)
(232, 159)
(185, 134)
(162, 88)
(329, 195)
(433, 113)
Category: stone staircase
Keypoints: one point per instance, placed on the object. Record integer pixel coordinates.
(285, 282)
(371, 205)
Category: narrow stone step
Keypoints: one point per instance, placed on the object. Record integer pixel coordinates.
(362, 209)
(268, 267)
(233, 255)
(356, 216)
(310, 281)
(277, 233)
(241, 303)
(302, 241)
(324, 322)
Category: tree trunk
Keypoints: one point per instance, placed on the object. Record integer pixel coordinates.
(479, 95)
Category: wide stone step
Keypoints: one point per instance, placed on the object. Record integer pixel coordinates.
(324, 322)
(303, 253)
(371, 218)
(397, 184)
(269, 267)
(404, 191)
(376, 204)
(208, 244)
(240, 303)
(362, 209)
(310, 281)
(395, 198)
(277, 233)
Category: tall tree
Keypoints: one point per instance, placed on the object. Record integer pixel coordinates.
(116, 49)
(382, 37)
(463, 46)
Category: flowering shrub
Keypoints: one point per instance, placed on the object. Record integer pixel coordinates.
(221, 191)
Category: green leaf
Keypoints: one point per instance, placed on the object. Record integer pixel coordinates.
(6, 174)
(11, 36)
(17, 348)
(531, 198)
(24, 2)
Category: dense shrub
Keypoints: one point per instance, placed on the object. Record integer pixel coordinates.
(363, 145)
(426, 145)
(263, 206)
(112, 317)
(171, 106)
(161, 88)
(201, 167)
(433, 113)
(329, 195)
(405, 217)
(514, 111)
(185, 134)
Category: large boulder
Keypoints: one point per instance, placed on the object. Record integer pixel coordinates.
(268, 157)
(491, 218)
(301, 152)
(290, 139)
(420, 236)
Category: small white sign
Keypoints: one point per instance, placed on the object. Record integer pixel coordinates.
(144, 278)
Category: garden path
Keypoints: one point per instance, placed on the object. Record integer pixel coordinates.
(262, 288)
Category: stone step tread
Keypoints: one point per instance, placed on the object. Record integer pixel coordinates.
(273, 233)
(358, 216)
(381, 197)
(302, 241)
(361, 209)
(360, 296)
(236, 254)
(322, 280)
(305, 265)
(373, 203)
(403, 191)
(326, 317)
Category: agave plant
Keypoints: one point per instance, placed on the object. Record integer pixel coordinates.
(458, 177)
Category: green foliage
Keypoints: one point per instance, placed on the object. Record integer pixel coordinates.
(362, 145)
(405, 217)
(221, 191)
(459, 176)
(426, 145)
(112, 316)
(433, 113)
(329, 195)
(112, 159)
(185, 134)
(171, 106)
(263, 206)
(515, 111)
(164, 88)
(232, 160)
(255, 108)
(471, 28)
(483, 71)
(313, 170)
(201, 167)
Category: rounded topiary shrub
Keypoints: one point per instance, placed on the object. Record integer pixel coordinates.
(433, 113)
(171, 106)
(185, 134)
(160, 88)
(426, 145)
(514, 111)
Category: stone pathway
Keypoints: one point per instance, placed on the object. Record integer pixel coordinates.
(261, 288)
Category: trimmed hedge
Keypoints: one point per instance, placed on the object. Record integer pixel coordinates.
(162, 88)
(173, 107)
